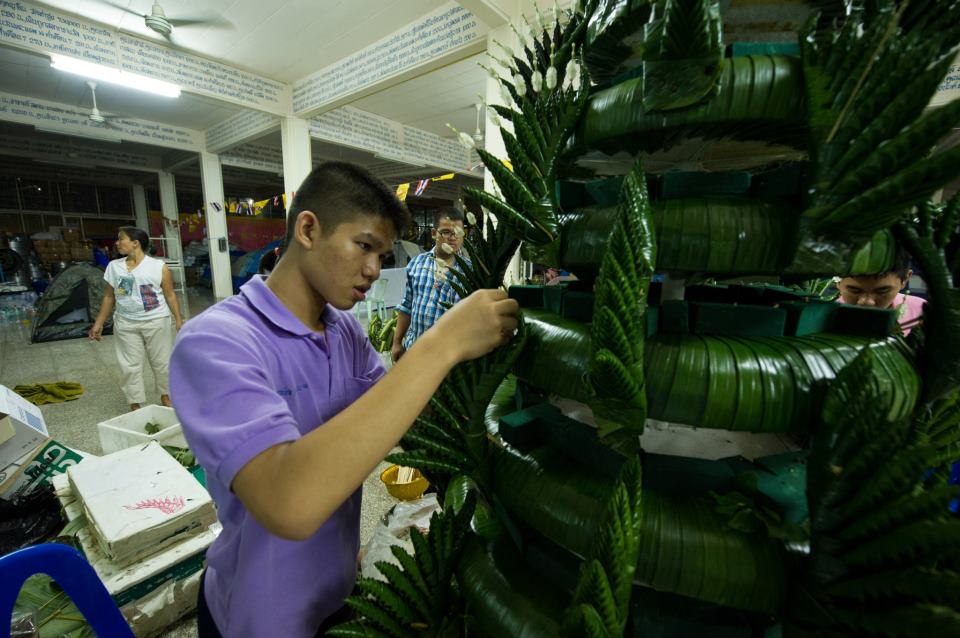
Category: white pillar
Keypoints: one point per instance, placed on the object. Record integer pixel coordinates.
(171, 216)
(297, 160)
(492, 141)
(215, 214)
(140, 208)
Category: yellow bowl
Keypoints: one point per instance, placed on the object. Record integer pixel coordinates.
(404, 491)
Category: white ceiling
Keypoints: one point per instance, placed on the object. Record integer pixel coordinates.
(281, 39)
(429, 102)
(31, 75)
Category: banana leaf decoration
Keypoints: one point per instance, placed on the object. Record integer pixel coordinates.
(607, 51)
(549, 93)
(760, 98)
(417, 599)
(867, 84)
(503, 597)
(927, 241)
(451, 440)
(883, 555)
(619, 318)
(728, 236)
(685, 546)
(601, 601)
(682, 52)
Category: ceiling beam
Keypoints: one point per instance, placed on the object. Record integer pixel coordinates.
(493, 13)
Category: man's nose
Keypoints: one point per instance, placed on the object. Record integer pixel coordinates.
(866, 300)
(371, 269)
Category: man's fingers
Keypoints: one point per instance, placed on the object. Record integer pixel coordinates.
(506, 306)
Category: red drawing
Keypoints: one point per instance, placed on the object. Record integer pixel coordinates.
(166, 505)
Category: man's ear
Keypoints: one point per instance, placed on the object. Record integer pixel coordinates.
(306, 230)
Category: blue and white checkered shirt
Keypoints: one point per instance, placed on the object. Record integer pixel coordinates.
(426, 295)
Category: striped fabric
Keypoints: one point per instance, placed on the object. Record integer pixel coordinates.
(426, 295)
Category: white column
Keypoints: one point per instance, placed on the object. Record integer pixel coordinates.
(215, 214)
(171, 216)
(492, 141)
(297, 160)
(140, 208)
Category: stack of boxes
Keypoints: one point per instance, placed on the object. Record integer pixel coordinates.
(71, 248)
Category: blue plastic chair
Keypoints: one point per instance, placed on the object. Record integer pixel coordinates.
(73, 573)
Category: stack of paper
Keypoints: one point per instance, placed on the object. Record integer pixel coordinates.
(140, 500)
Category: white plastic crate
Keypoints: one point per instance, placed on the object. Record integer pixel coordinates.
(129, 429)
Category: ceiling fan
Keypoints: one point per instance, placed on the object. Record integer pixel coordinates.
(478, 134)
(158, 21)
(94, 115)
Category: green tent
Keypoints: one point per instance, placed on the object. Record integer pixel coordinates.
(68, 307)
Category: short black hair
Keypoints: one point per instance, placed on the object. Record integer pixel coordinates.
(135, 234)
(453, 214)
(900, 268)
(339, 191)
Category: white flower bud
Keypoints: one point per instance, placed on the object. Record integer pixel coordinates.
(519, 85)
(551, 79)
(447, 248)
(575, 77)
(571, 65)
(505, 94)
(471, 219)
(466, 140)
(459, 232)
(536, 82)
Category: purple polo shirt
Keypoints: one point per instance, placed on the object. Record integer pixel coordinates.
(247, 375)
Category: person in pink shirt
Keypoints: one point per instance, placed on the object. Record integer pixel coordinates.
(883, 291)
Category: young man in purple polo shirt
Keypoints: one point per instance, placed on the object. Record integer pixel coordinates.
(287, 407)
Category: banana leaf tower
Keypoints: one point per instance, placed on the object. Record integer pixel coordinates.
(563, 515)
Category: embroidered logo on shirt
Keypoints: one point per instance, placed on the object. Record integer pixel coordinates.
(150, 299)
(166, 505)
(287, 392)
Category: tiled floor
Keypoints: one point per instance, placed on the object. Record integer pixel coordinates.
(94, 365)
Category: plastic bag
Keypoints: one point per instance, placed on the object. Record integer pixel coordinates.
(395, 530)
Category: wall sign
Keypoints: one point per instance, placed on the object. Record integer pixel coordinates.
(949, 89)
(50, 150)
(349, 126)
(258, 157)
(445, 30)
(62, 119)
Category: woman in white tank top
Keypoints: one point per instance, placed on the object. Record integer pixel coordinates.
(140, 287)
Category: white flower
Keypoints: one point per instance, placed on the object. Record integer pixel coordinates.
(465, 139)
(459, 232)
(571, 65)
(519, 85)
(471, 219)
(447, 248)
(536, 82)
(551, 78)
(575, 77)
(505, 94)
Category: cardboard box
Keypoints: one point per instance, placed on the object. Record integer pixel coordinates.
(26, 421)
(49, 460)
(129, 429)
(140, 500)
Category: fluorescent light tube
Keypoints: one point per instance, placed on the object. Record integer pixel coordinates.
(113, 76)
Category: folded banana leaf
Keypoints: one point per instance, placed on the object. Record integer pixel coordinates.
(883, 551)
(556, 355)
(685, 546)
(504, 598)
(724, 236)
(753, 384)
(612, 41)
(760, 98)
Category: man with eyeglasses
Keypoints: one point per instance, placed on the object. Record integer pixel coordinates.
(428, 293)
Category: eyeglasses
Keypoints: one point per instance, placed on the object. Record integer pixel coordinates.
(446, 233)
